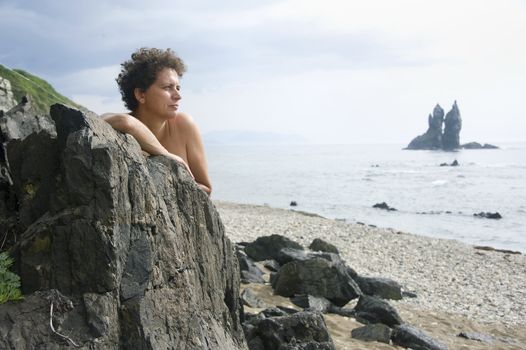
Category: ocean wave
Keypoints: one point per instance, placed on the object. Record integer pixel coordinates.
(439, 183)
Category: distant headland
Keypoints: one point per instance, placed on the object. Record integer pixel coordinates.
(443, 133)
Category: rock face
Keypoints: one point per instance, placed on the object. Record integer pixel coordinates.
(129, 252)
(432, 138)
(7, 100)
(452, 126)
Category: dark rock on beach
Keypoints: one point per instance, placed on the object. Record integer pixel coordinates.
(384, 288)
(268, 247)
(373, 332)
(411, 337)
(271, 265)
(375, 310)
(287, 255)
(320, 245)
(312, 303)
(128, 251)
(250, 273)
(317, 277)
(300, 331)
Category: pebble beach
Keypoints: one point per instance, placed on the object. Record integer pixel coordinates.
(458, 287)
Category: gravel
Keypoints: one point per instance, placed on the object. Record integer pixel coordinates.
(446, 275)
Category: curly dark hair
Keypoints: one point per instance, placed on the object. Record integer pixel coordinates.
(141, 71)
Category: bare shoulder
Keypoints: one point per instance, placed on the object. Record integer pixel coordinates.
(183, 122)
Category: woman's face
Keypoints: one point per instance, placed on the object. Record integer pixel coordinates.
(162, 98)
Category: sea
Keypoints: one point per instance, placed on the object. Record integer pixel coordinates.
(345, 181)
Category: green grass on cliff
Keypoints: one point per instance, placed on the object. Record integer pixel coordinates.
(43, 94)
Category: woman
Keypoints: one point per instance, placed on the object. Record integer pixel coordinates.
(150, 88)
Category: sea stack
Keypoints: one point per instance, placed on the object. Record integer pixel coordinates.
(436, 137)
(432, 138)
(452, 126)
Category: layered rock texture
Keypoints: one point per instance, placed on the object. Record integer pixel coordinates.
(115, 250)
(435, 138)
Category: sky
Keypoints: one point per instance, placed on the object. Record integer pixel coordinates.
(331, 71)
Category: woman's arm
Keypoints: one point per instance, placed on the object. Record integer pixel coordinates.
(130, 125)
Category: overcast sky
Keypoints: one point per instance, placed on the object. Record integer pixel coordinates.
(332, 71)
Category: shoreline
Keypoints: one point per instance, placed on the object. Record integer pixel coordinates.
(448, 276)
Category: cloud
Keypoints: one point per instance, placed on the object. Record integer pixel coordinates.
(333, 70)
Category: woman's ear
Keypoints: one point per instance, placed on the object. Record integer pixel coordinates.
(139, 94)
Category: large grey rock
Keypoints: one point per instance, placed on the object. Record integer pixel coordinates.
(317, 277)
(268, 247)
(432, 138)
(300, 331)
(452, 126)
(411, 337)
(135, 248)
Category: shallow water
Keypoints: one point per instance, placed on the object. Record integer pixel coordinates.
(345, 181)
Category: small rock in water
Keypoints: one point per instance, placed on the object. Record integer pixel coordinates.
(454, 163)
(488, 215)
(293, 204)
(383, 205)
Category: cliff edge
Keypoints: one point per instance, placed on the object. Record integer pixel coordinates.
(114, 249)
